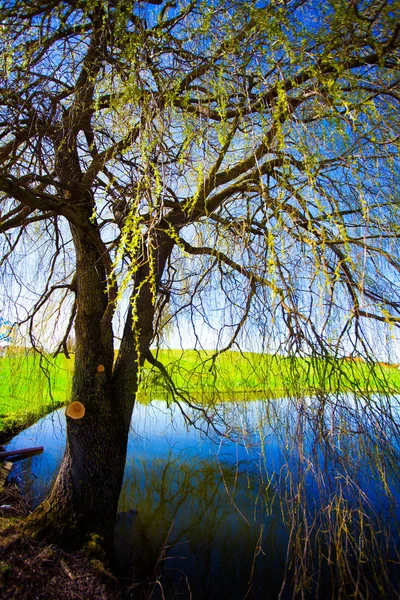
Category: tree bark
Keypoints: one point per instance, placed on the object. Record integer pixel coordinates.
(84, 497)
(85, 494)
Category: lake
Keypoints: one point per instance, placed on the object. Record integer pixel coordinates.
(289, 495)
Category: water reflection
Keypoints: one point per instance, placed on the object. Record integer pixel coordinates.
(302, 495)
(198, 524)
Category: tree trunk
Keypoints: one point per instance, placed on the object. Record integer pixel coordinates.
(84, 498)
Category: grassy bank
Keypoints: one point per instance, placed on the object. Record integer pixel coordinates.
(239, 374)
(32, 385)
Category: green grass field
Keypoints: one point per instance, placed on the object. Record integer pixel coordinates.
(235, 372)
(32, 385)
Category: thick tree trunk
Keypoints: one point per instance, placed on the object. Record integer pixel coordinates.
(84, 498)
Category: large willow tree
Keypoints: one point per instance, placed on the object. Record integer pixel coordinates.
(185, 160)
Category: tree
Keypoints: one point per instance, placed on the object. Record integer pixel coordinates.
(182, 158)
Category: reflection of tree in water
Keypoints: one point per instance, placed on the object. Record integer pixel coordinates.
(331, 508)
(340, 495)
(197, 526)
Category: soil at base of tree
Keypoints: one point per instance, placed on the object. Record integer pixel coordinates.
(30, 570)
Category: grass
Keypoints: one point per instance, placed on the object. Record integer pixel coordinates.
(263, 375)
(31, 385)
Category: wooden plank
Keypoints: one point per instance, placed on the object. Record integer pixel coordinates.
(23, 453)
(5, 468)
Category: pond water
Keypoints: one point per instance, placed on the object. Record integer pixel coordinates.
(208, 516)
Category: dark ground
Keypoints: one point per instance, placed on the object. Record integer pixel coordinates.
(31, 570)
